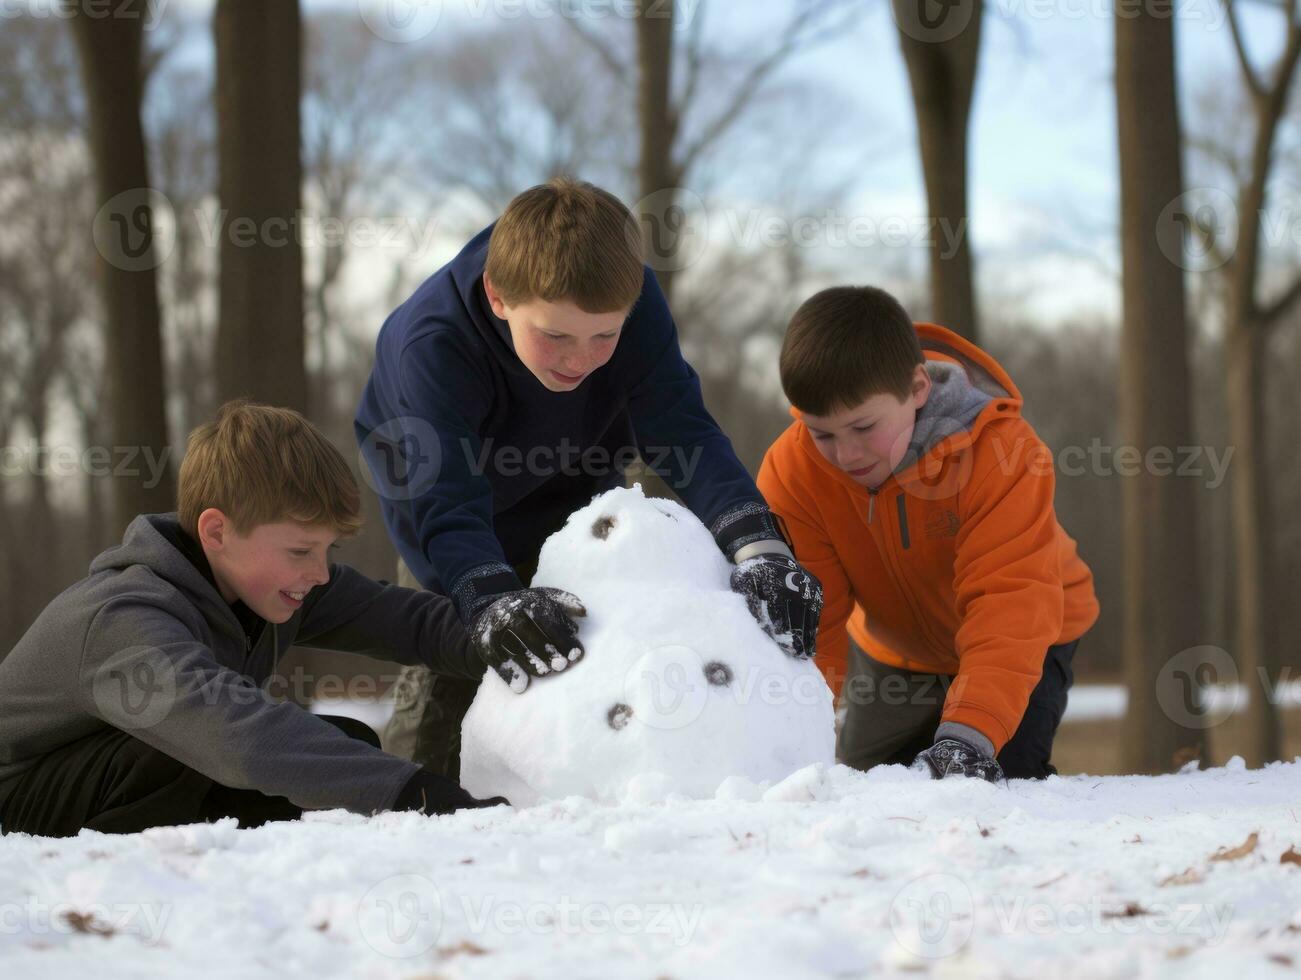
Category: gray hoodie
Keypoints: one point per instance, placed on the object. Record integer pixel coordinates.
(146, 644)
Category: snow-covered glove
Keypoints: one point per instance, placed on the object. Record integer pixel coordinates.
(957, 757)
(784, 597)
(528, 633)
(432, 793)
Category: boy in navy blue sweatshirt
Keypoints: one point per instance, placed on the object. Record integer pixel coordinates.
(519, 381)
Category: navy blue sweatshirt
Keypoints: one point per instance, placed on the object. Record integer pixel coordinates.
(476, 462)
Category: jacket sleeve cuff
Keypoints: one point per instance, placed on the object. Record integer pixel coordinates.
(745, 524)
(475, 589)
(976, 739)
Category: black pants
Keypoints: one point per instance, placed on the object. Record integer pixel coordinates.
(891, 715)
(113, 782)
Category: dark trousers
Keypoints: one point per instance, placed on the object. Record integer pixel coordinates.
(113, 782)
(891, 715)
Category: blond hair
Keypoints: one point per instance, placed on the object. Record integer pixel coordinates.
(567, 240)
(262, 465)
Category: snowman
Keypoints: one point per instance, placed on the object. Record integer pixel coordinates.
(679, 690)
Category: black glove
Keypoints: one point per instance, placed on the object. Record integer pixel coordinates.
(431, 794)
(957, 757)
(784, 597)
(528, 633)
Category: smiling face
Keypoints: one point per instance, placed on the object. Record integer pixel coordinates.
(868, 440)
(558, 342)
(271, 568)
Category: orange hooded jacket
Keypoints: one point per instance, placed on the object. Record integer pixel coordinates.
(956, 564)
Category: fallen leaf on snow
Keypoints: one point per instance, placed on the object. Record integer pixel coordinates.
(1192, 876)
(1241, 851)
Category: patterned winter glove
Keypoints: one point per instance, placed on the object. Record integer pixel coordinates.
(528, 633)
(784, 597)
(957, 757)
(432, 793)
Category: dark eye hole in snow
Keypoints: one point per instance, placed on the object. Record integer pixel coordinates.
(601, 527)
(718, 673)
(669, 516)
(619, 715)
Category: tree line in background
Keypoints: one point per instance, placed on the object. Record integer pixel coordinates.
(128, 337)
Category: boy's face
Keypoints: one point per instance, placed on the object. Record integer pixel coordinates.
(559, 343)
(271, 568)
(868, 440)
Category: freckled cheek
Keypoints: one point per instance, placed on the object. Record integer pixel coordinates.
(603, 352)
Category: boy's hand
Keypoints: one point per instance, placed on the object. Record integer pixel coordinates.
(784, 597)
(432, 793)
(957, 757)
(528, 633)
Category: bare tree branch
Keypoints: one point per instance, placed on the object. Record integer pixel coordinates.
(617, 66)
(801, 33)
(693, 57)
(1254, 84)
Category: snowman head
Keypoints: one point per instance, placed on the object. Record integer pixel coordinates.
(625, 536)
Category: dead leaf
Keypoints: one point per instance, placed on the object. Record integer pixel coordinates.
(464, 947)
(1280, 959)
(86, 923)
(1290, 856)
(1241, 851)
(864, 873)
(1193, 876)
(1131, 910)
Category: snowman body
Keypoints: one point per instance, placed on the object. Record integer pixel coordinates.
(679, 689)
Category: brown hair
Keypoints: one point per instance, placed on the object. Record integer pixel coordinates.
(567, 240)
(846, 344)
(261, 465)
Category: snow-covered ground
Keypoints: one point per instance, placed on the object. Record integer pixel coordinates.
(830, 873)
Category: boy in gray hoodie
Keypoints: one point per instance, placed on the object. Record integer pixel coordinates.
(138, 698)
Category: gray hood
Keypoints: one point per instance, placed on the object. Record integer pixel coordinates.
(953, 406)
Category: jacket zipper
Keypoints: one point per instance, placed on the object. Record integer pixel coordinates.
(896, 574)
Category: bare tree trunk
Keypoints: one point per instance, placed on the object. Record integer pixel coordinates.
(1252, 549)
(109, 49)
(1247, 331)
(1162, 583)
(260, 331)
(942, 70)
(656, 174)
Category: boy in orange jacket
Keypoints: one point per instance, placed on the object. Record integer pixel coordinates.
(912, 487)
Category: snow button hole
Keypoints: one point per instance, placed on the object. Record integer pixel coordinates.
(718, 674)
(601, 527)
(619, 715)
